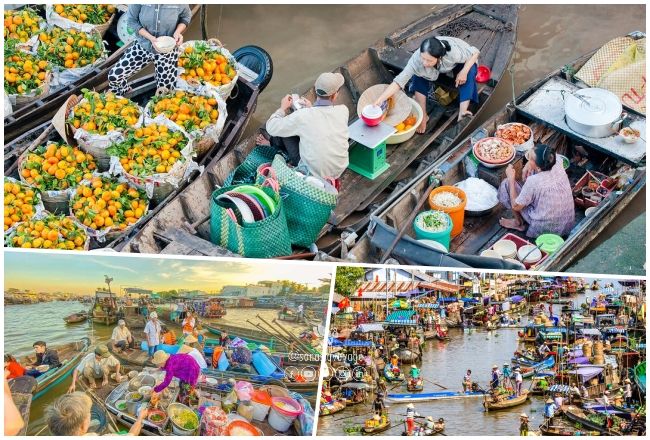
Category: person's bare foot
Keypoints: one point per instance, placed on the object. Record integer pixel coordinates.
(261, 140)
(465, 114)
(423, 125)
(511, 223)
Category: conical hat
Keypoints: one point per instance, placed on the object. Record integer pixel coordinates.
(399, 105)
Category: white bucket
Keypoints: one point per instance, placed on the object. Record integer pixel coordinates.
(280, 418)
(260, 410)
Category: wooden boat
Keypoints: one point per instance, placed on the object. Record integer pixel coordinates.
(580, 416)
(134, 357)
(527, 372)
(508, 402)
(490, 28)
(240, 110)
(333, 407)
(250, 335)
(414, 386)
(392, 377)
(438, 395)
(104, 309)
(639, 376)
(76, 318)
(373, 430)
(561, 429)
(70, 355)
(288, 316)
(407, 355)
(480, 233)
(42, 110)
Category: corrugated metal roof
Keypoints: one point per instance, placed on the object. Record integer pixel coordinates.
(441, 285)
(391, 286)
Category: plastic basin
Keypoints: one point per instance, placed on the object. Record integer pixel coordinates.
(442, 237)
(284, 411)
(457, 213)
(404, 136)
(549, 243)
(261, 402)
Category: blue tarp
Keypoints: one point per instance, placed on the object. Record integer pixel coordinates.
(516, 299)
(400, 316)
(352, 343)
(447, 300)
(469, 300)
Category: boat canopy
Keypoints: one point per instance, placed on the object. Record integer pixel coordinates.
(587, 372)
(469, 300)
(428, 306)
(516, 299)
(369, 328)
(404, 317)
(590, 332)
(579, 360)
(333, 342)
(447, 300)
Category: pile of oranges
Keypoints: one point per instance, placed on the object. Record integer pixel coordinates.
(192, 112)
(99, 113)
(24, 73)
(50, 232)
(207, 65)
(86, 13)
(70, 48)
(406, 124)
(20, 202)
(106, 203)
(56, 166)
(22, 24)
(153, 149)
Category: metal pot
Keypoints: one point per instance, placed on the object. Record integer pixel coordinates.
(594, 112)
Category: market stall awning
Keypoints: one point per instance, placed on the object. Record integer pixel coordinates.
(408, 294)
(391, 287)
(401, 317)
(357, 343)
(579, 360)
(427, 306)
(516, 299)
(469, 300)
(369, 328)
(590, 332)
(447, 300)
(587, 373)
(443, 286)
(333, 342)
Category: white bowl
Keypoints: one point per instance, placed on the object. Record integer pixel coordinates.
(372, 111)
(490, 253)
(505, 248)
(590, 211)
(164, 44)
(530, 252)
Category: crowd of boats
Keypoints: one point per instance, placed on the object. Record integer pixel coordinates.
(260, 378)
(586, 360)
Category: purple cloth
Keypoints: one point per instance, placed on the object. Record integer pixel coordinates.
(547, 198)
(182, 366)
(579, 360)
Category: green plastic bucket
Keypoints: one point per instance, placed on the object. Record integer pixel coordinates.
(442, 237)
(549, 243)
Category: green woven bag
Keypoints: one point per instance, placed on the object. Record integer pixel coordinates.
(308, 208)
(246, 171)
(267, 238)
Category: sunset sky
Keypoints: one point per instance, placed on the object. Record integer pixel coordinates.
(83, 273)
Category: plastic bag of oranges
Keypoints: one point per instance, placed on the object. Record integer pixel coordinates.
(83, 17)
(201, 113)
(107, 205)
(22, 203)
(22, 25)
(49, 231)
(155, 157)
(207, 63)
(26, 76)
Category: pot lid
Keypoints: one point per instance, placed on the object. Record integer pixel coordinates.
(597, 106)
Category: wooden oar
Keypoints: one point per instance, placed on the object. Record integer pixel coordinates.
(436, 384)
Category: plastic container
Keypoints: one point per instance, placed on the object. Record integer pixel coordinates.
(261, 402)
(457, 213)
(404, 136)
(284, 411)
(549, 243)
(175, 408)
(240, 428)
(244, 390)
(245, 409)
(442, 237)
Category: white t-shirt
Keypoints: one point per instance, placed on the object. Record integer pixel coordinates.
(518, 377)
(198, 357)
(120, 334)
(153, 332)
(323, 132)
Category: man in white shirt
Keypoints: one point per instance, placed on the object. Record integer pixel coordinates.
(152, 332)
(96, 365)
(321, 127)
(519, 381)
(122, 338)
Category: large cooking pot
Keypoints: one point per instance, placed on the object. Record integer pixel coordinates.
(593, 112)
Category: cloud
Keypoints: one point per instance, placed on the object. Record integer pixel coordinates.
(104, 262)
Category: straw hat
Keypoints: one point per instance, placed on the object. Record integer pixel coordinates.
(410, 406)
(523, 416)
(430, 419)
(494, 366)
(159, 358)
(153, 315)
(190, 339)
(549, 401)
(399, 107)
(185, 349)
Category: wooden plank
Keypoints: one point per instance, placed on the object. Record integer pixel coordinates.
(477, 231)
(176, 248)
(386, 76)
(502, 13)
(349, 82)
(437, 19)
(202, 246)
(395, 57)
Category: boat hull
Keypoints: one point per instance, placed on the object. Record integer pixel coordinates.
(423, 397)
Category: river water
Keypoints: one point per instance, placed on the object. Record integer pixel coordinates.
(445, 363)
(304, 41)
(28, 323)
